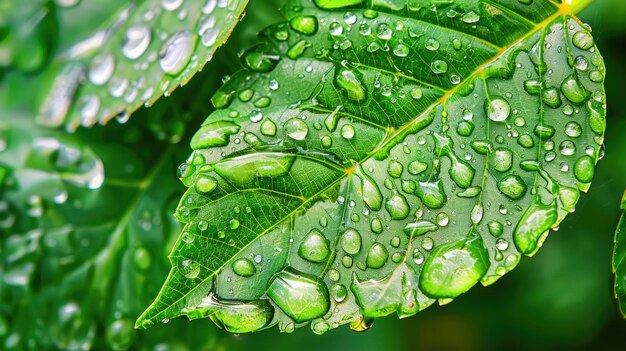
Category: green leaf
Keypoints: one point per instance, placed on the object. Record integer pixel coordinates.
(619, 260)
(145, 50)
(85, 226)
(376, 159)
(25, 40)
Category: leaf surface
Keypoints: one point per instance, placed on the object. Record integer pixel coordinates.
(143, 51)
(619, 260)
(376, 158)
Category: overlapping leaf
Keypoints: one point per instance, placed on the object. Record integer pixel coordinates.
(85, 226)
(146, 50)
(375, 157)
(619, 260)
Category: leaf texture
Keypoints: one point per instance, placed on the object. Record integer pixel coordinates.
(144, 51)
(376, 157)
(619, 260)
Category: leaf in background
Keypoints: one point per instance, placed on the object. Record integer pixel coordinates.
(373, 160)
(619, 260)
(85, 226)
(27, 34)
(146, 50)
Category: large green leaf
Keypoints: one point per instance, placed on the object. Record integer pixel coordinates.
(375, 157)
(145, 50)
(619, 260)
(85, 226)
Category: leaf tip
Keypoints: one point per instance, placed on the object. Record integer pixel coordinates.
(143, 322)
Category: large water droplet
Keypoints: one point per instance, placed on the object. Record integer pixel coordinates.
(453, 268)
(136, 41)
(235, 316)
(243, 267)
(214, 134)
(498, 109)
(533, 226)
(351, 242)
(296, 129)
(512, 186)
(350, 84)
(376, 256)
(101, 69)
(176, 52)
(431, 194)
(314, 247)
(397, 206)
(301, 296)
(189, 268)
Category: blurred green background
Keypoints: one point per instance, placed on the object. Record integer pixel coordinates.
(560, 299)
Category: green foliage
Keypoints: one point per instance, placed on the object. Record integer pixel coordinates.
(619, 260)
(86, 223)
(379, 158)
(144, 50)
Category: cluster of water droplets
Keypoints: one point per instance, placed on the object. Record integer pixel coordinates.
(395, 187)
(150, 50)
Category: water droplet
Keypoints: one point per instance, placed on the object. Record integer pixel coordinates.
(502, 244)
(214, 134)
(296, 129)
(574, 91)
(314, 247)
(268, 127)
(419, 228)
(495, 228)
(377, 256)
(136, 41)
(243, 267)
(432, 44)
(395, 169)
(347, 131)
(583, 40)
(176, 52)
(306, 25)
(338, 292)
(573, 129)
(189, 268)
(453, 268)
(512, 186)
(235, 316)
(233, 223)
(584, 169)
(351, 242)
(350, 85)
(439, 67)
(101, 69)
(431, 194)
(470, 17)
(171, 5)
(376, 226)
(397, 206)
(498, 109)
(503, 160)
(567, 148)
(301, 296)
(371, 193)
(533, 226)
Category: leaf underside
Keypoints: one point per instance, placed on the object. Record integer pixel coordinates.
(619, 260)
(146, 51)
(376, 159)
